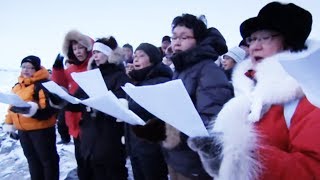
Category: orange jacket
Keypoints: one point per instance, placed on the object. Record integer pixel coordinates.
(45, 116)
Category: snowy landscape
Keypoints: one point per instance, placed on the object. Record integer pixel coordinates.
(13, 163)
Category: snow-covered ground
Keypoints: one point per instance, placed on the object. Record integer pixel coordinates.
(13, 163)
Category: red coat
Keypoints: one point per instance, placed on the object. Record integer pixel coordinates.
(292, 153)
(255, 139)
(63, 78)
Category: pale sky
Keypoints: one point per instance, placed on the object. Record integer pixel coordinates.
(38, 27)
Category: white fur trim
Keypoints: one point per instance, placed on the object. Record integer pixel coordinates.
(106, 50)
(117, 56)
(33, 109)
(239, 138)
(274, 85)
(239, 141)
(8, 128)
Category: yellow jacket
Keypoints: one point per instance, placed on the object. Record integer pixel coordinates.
(45, 116)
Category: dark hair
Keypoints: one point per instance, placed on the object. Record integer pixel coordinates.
(128, 46)
(166, 38)
(70, 54)
(192, 22)
(69, 61)
(243, 43)
(110, 42)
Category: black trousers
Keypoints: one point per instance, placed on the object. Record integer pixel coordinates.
(62, 127)
(149, 166)
(103, 169)
(81, 170)
(39, 147)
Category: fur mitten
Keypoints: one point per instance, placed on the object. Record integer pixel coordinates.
(210, 152)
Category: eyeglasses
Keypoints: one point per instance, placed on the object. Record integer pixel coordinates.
(263, 39)
(27, 67)
(183, 38)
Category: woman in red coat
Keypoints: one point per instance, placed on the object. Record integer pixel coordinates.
(77, 48)
(269, 130)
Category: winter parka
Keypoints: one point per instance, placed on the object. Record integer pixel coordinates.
(63, 76)
(148, 154)
(209, 90)
(279, 145)
(45, 116)
(100, 133)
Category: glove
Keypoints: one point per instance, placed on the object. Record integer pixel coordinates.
(11, 130)
(210, 152)
(20, 110)
(153, 130)
(58, 63)
(56, 101)
(26, 111)
(8, 128)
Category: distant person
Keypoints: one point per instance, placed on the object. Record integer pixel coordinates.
(146, 157)
(244, 45)
(231, 58)
(128, 52)
(165, 43)
(36, 123)
(77, 48)
(167, 58)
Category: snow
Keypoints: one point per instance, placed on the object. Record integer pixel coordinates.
(13, 163)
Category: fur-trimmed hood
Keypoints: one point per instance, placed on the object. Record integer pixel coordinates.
(237, 134)
(75, 35)
(117, 57)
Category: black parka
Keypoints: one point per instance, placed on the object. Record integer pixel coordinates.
(209, 90)
(100, 133)
(149, 154)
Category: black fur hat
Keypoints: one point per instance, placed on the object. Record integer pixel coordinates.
(291, 20)
(152, 51)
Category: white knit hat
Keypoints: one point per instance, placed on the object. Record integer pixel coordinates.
(236, 53)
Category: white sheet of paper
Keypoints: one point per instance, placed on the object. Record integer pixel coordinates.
(171, 103)
(108, 103)
(111, 105)
(56, 89)
(91, 82)
(305, 69)
(13, 99)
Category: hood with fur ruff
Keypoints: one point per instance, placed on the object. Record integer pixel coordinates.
(75, 35)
